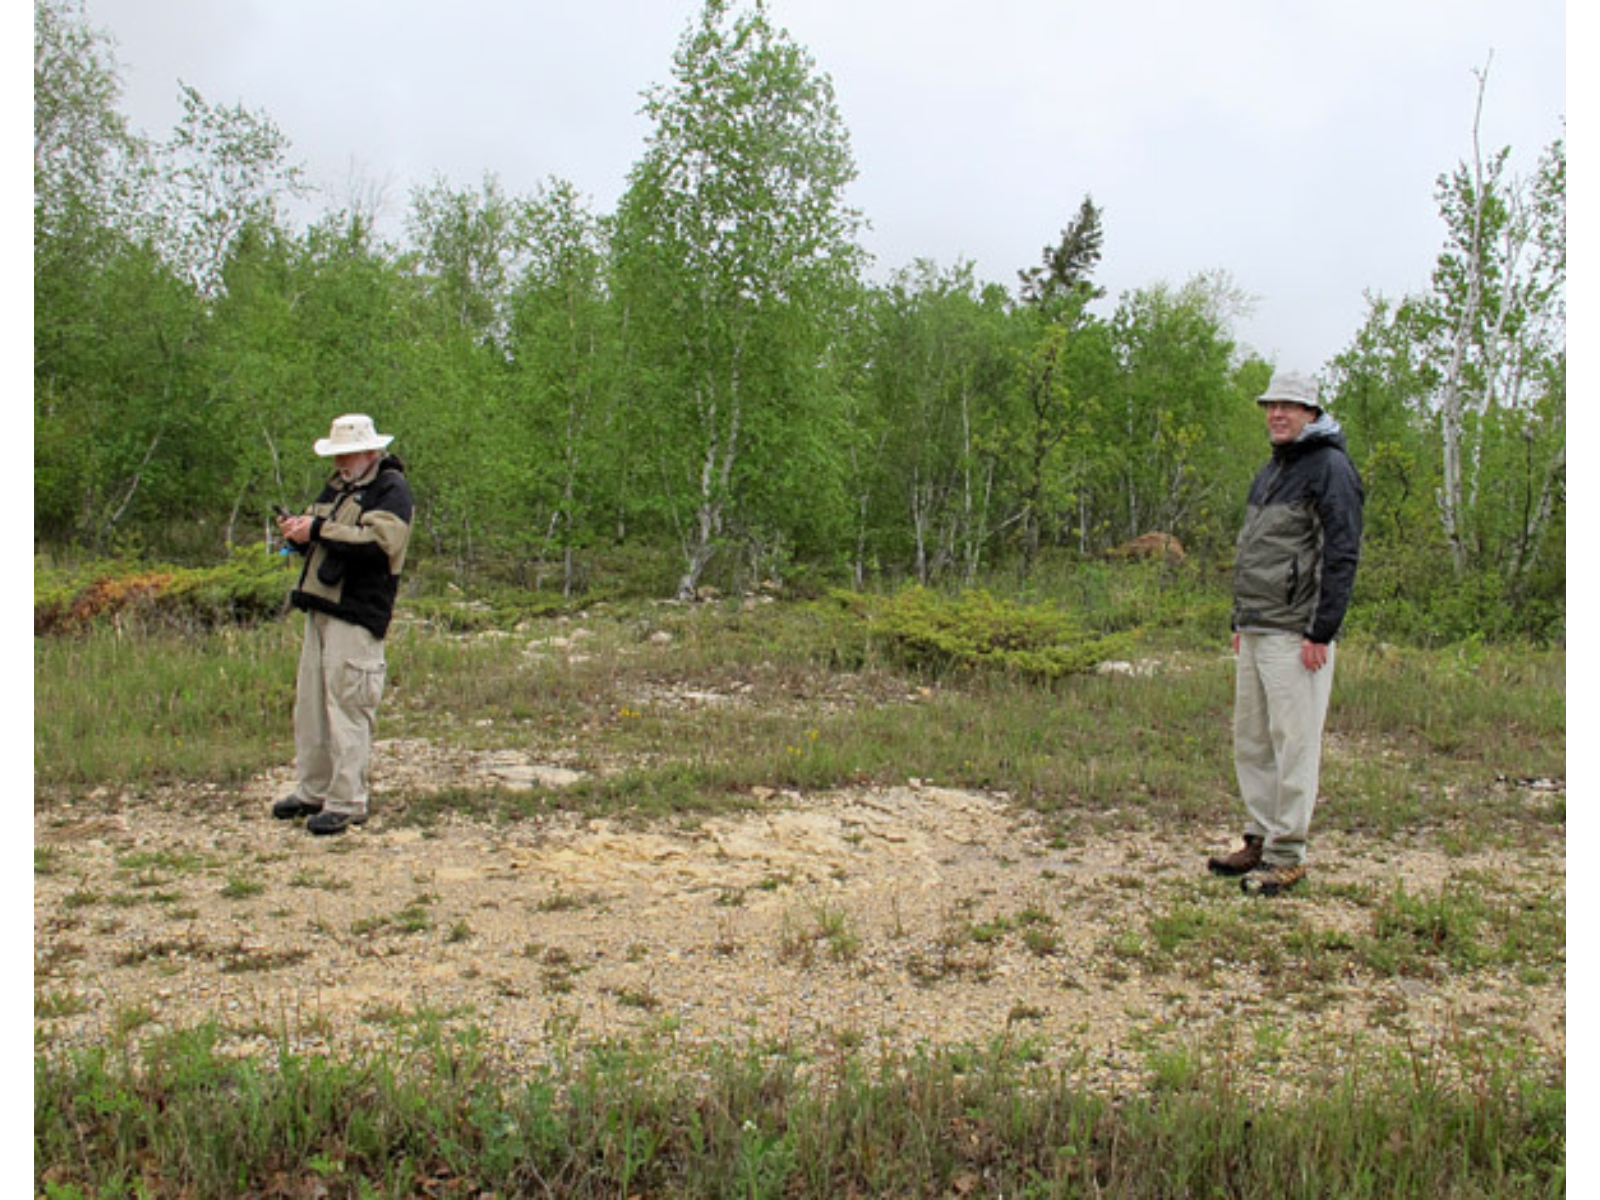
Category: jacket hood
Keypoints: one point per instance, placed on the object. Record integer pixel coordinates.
(1323, 431)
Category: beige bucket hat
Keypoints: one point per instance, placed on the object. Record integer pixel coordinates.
(1292, 387)
(351, 434)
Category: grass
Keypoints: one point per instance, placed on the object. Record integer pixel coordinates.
(647, 1118)
(1417, 740)
(1469, 927)
(826, 926)
(1423, 746)
(145, 707)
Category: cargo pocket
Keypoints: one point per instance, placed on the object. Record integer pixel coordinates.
(363, 684)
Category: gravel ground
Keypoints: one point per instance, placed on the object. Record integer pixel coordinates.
(869, 919)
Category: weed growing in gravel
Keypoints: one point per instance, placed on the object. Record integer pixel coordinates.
(315, 877)
(640, 997)
(53, 1004)
(130, 1018)
(82, 897)
(824, 925)
(240, 887)
(559, 968)
(412, 918)
(559, 901)
(156, 864)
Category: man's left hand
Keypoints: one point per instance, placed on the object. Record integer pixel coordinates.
(1313, 655)
(296, 529)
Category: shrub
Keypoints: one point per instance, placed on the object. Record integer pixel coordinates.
(978, 631)
(248, 588)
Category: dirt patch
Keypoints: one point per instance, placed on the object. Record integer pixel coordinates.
(861, 918)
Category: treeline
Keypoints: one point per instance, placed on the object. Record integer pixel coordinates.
(706, 379)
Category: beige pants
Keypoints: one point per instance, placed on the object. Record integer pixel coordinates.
(1279, 710)
(336, 712)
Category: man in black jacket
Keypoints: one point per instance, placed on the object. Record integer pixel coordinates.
(354, 540)
(1293, 572)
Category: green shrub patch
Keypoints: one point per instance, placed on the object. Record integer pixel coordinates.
(250, 587)
(979, 631)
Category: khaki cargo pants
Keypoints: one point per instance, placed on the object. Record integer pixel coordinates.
(1278, 714)
(336, 712)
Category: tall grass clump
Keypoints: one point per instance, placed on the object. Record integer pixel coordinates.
(437, 1117)
(1476, 701)
(130, 706)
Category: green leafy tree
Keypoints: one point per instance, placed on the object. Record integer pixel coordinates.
(941, 378)
(453, 373)
(306, 328)
(115, 366)
(864, 432)
(1499, 336)
(1178, 440)
(225, 169)
(736, 254)
(1065, 381)
(83, 151)
(562, 348)
(108, 327)
(1463, 389)
(470, 248)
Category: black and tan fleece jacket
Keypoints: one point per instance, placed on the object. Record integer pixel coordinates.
(1295, 564)
(359, 532)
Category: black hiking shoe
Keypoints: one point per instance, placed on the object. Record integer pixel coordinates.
(1241, 862)
(324, 823)
(292, 808)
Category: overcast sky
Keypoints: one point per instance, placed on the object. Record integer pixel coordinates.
(1294, 146)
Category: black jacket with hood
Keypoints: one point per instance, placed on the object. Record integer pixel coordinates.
(1297, 553)
(359, 532)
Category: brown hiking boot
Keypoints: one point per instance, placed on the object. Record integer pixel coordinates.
(1241, 862)
(1273, 880)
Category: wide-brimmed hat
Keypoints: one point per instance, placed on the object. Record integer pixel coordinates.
(351, 434)
(1292, 387)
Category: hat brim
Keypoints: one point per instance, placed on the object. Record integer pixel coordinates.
(1281, 398)
(327, 448)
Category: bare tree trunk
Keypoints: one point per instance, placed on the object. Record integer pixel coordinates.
(716, 475)
(133, 488)
(707, 524)
(1534, 527)
(919, 526)
(1452, 401)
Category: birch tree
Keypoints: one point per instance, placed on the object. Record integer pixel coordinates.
(1497, 337)
(736, 254)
